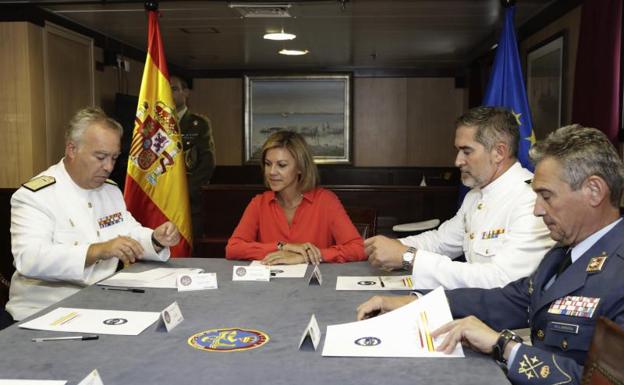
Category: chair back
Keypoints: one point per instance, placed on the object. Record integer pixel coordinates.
(605, 361)
(364, 219)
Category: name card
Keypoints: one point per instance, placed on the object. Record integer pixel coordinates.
(315, 278)
(92, 378)
(251, 273)
(311, 334)
(198, 281)
(172, 316)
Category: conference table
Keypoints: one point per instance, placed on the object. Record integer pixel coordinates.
(281, 308)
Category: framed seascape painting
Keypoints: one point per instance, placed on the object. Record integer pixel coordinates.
(545, 84)
(315, 106)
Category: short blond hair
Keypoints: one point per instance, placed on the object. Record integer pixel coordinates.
(298, 148)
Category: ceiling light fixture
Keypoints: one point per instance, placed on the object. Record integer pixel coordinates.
(293, 52)
(279, 36)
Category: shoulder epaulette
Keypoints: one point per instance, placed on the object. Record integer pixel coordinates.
(39, 183)
(110, 181)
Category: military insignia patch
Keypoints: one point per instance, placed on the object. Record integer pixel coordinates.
(575, 306)
(110, 220)
(595, 264)
(39, 183)
(530, 366)
(228, 340)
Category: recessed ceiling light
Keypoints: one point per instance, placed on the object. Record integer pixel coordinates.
(279, 36)
(293, 52)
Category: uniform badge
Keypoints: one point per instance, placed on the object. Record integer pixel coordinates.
(595, 264)
(110, 220)
(228, 340)
(39, 183)
(531, 367)
(575, 306)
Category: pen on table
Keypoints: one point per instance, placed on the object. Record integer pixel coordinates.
(67, 338)
(130, 289)
(382, 282)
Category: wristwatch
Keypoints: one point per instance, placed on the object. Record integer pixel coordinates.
(408, 258)
(498, 349)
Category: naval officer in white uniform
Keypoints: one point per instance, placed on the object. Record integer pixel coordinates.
(70, 226)
(494, 228)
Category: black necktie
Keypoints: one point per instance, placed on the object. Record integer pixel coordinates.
(565, 263)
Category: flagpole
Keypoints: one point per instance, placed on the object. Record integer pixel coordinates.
(151, 5)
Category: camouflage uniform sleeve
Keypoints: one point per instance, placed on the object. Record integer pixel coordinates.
(539, 367)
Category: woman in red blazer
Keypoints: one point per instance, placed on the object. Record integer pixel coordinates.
(296, 221)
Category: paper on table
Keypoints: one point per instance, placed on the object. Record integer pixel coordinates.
(158, 278)
(94, 321)
(392, 282)
(285, 271)
(404, 332)
(32, 382)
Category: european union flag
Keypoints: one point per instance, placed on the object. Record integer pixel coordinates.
(506, 86)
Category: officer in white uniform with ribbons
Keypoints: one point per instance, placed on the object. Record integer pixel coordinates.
(70, 226)
(494, 228)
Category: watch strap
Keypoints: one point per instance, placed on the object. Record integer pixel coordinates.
(498, 349)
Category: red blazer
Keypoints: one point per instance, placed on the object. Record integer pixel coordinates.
(319, 219)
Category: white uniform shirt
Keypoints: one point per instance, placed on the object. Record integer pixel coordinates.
(494, 228)
(51, 230)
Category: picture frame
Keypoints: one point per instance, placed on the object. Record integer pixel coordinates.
(316, 106)
(546, 66)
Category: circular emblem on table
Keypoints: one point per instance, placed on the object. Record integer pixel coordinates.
(241, 271)
(186, 280)
(228, 339)
(367, 341)
(167, 316)
(367, 283)
(275, 272)
(115, 321)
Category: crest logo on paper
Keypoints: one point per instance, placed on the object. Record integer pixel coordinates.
(115, 321)
(228, 339)
(367, 341)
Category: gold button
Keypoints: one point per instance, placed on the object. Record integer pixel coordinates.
(564, 344)
(75, 243)
(471, 235)
(90, 205)
(479, 206)
(98, 233)
(487, 251)
(540, 335)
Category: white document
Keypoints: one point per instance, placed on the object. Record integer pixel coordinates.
(285, 271)
(404, 332)
(198, 281)
(32, 382)
(392, 282)
(251, 273)
(158, 278)
(92, 378)
(117, 322)
(172, 316)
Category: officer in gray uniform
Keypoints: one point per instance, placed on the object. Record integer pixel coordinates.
(578, 181)
(199, 150)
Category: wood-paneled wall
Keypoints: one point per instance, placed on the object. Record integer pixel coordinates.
(69, 81)
(22, 113)
(397, 121)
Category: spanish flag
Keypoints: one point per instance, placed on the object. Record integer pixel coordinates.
(156, 188)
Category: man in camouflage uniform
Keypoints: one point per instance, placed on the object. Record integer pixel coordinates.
(199, 150)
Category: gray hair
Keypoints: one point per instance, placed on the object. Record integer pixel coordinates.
(494, 125)
(85, 118)
(583, 152)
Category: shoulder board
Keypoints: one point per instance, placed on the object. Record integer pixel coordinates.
(110, 181)
(39, 183)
